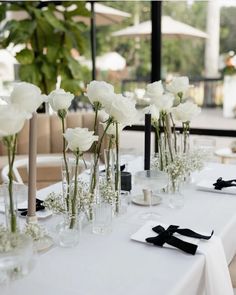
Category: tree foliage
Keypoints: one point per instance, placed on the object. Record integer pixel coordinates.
(49, 35)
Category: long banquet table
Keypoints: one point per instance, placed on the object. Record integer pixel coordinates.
(113, 264)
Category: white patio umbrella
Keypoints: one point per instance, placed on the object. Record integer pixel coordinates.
(169, 27)
(105, 15)
(112, 61)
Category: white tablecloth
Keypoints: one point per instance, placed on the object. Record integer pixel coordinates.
(115, 265)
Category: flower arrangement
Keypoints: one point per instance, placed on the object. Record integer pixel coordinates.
(118, 111)
(24, 100)
(168, 106)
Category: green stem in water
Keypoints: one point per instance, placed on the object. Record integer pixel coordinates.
(62, 115)
(74, 198)
(117, 174)
(11, 150)
(96, 158)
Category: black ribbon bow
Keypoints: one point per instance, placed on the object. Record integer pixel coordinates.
(220, 183)
(166, 236)
(39, 206)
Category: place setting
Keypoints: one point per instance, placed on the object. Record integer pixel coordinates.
(109, 136)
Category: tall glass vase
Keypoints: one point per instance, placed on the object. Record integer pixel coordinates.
(94, 196)
(10, 206)
(109, 159)
(117, 201)
(67, 173)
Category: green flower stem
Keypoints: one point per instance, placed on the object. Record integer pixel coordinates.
(96, 157)
(117, 174)
(62, 115)
(168, 134)
(11, 150)
(74, 198)
(174, 132)
(158, 139)
(108, 172)
(186, 127)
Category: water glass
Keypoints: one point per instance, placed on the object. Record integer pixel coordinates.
(102, 218)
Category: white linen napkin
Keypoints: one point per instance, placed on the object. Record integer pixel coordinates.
(40, 214)
(217, 278)
(207, 185)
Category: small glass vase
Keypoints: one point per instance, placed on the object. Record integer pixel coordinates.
(185, 142)
(19, 259)
(68, 230)
(175, 195)
(102, 218)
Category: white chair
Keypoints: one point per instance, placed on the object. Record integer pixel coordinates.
(42, 161)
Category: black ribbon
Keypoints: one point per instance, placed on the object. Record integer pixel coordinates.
(166, 236)
(220, 183)
(39, 206)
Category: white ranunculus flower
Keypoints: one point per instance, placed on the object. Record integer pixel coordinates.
(27, 97)
(178, 85)
(165, 102)
(154, 111)
(11, 120)
(186, 111)
(122, 109)
(99, 91)
(154, 91)
(112, 128)
(79, 139)
(60, 100)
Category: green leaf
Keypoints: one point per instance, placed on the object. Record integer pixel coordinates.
(30, 73)
(53, 21)
(2, 12)
(20, 32)
(25, 56)
(71, 85)
(49, 70)
(74, 67)
(81, 10)
(52, 53)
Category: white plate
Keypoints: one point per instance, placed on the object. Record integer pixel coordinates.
(139, 200)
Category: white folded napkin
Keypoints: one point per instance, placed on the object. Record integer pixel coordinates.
(217, 278)
(40, 214)
(207, 185)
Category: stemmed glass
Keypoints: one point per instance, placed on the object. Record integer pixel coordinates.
(151, 180)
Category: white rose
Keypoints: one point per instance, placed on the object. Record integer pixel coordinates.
(165, 102)
(154, 91)
(99, 91)
(60, 100)
(154, 111)
(122, 109)
(79, 139)
(11, 120)
(112, 128)
(178, 85)
(186, 111)
(26, 97)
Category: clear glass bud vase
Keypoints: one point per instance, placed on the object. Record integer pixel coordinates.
(109, 159)
(175, 195)
(117, 184)
(68, 230)
(94, 196)
(17, 191)
(67, 173)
